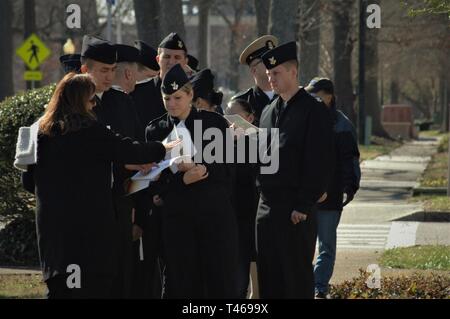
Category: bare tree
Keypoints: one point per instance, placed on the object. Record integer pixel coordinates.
(262, 8)
(147, 13)
(283, 19)
(172, 18)
(309, 39)
(204, 7)
(342, 57)
(373, 107)
(6, 49)
(222, 9)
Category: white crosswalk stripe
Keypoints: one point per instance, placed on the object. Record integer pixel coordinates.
(351, 236)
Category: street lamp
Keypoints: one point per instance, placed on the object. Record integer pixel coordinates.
(69, 47)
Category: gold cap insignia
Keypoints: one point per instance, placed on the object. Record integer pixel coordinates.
(174, 86)
(180, 44)
(270, 45)
(272, 61)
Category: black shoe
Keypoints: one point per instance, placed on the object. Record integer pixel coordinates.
(320, 295)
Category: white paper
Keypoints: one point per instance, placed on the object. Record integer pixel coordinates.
(186, 147)
(140, 181)
(239, 121)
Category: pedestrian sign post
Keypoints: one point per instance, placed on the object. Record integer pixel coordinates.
(32, 76)
(33, 52)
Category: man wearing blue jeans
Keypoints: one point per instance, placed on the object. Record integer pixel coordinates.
(342, 188)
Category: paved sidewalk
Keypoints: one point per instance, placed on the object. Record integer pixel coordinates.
(368, 225)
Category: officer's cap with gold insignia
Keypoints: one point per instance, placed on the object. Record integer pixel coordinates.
(257, 48)
(127, 53)
(98, 49)
(174, 80)
(279, 55)
(173, 42)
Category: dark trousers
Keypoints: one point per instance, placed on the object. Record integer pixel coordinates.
(93, 286)
(247, 252)
(285, 254)
(123, 282)
(147, 275)
(200, 252)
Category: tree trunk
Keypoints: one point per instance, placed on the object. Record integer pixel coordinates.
(283, 19)
(309, 39)
(373, 108)
(262, 8)
(6, 50)
(147, 14)
(172, 18)
(233, 58)
(394, 90)
(203, 26)
(342, 57)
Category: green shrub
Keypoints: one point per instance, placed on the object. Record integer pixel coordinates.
(20, 110)
(18, 240)
(18, 244)
(416, 286)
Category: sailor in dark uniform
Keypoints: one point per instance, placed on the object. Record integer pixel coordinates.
(148, 99)
(171, 51)
(286, 221)
(70, 63)
(261, 94)
(115, 109)
(144, 91)
(199, 225)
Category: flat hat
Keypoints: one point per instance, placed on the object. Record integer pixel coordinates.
(279, 55)
(70, 62)
(98, 49)
(147, 55)
(127, 53)
(320, 84)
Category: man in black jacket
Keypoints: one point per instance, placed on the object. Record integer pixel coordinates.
(286, 221)
(115, 109)
(345, 180)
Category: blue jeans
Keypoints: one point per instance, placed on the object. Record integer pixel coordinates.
(327, 223)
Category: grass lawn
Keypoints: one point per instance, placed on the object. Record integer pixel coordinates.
(378, 147)
(433, 203)
(22, 286)
(436, 173)
(417, 257)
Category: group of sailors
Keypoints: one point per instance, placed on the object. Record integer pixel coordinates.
(194, 232)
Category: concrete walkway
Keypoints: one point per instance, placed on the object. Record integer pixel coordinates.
(368, 224)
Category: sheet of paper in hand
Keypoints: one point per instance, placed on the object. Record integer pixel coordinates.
(186, 147)
(140, 181)
(240, 122)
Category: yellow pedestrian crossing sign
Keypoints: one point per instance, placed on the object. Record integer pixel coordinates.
(33, 52)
